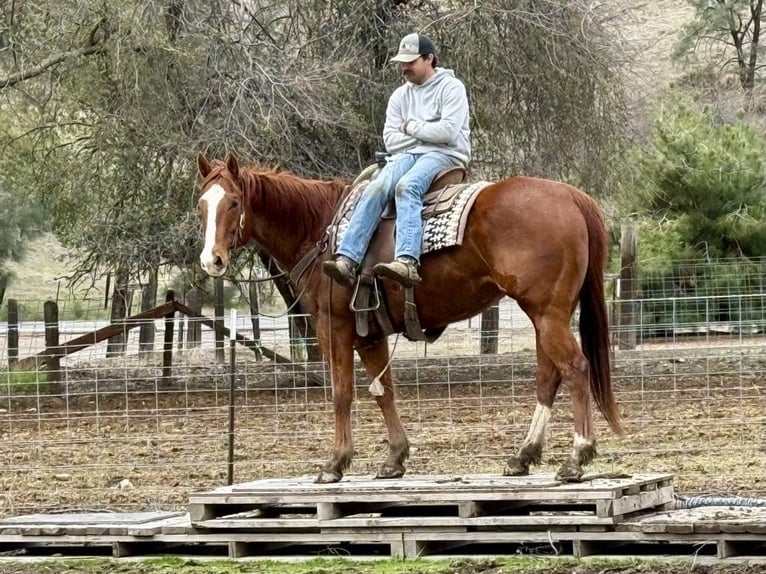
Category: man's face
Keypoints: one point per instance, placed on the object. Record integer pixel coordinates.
(417, 71)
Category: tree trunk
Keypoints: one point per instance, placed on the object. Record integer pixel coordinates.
(121, 297)
(299, 324)
(4, 280)
(490, 322)
(148, 301)
(254, 308)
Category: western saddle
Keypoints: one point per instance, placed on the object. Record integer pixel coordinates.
(367, 296)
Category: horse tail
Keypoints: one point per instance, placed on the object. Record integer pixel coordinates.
(594, 322)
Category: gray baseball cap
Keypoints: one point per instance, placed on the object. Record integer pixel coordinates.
(412, 47)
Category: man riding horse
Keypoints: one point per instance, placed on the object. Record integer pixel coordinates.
(426, 131)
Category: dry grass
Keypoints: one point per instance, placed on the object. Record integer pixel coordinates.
(701, 420)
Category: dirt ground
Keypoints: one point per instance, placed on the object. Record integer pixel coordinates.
(132, 448)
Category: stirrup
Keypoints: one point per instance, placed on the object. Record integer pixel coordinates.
(376, 297)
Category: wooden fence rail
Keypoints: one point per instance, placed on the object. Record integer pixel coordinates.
(50, 358)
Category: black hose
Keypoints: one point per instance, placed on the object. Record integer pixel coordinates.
(683, 502)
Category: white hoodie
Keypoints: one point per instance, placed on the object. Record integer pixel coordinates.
(437, 116)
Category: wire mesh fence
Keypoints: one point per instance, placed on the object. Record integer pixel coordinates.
(117, 434)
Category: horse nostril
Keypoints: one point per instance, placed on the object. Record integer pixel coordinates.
(218, 262)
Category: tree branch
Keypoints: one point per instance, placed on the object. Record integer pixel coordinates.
(47, 64)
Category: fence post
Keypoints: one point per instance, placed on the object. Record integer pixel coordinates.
(219, 354)
(146, 329)
(232, 393)
(13, 332)
(167, 349)
(628, 287)
(255, 311)
(52, 356)
(490, 325)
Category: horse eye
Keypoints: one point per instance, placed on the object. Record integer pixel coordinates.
(234, 205)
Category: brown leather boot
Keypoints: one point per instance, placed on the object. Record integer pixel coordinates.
(403, 270)
(342, 269)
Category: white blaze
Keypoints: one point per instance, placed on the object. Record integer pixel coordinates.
(212, 196)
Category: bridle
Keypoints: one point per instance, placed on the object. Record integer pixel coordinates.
(298, 269)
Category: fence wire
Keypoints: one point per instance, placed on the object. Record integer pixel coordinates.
(115, 434)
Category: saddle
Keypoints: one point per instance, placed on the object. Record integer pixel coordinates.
(368, 295)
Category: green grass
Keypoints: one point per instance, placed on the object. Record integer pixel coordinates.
(21, 382)
(512, 565)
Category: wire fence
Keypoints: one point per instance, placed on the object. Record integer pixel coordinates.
(115, 434)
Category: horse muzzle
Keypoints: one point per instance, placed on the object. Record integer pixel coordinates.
(214, 264)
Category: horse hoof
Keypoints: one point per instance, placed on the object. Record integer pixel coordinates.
(569, 473)
(515, 468)
(387, 471)
(328, 476)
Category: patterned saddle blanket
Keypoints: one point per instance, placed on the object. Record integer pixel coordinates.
(445, 213)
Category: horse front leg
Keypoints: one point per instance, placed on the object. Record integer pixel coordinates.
(531, 450)
(337, 346)
(375, 358)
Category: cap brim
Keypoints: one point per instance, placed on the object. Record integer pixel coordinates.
(405, 58)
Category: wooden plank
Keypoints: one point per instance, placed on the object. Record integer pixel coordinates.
(642, 500)
(479, 521)
(219, 328)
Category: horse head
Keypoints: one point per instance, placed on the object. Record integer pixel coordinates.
(221, 208)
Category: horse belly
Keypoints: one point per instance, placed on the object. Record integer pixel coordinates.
(455, 286)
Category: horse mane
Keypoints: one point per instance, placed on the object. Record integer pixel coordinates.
(309, 203)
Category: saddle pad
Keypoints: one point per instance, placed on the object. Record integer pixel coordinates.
(444, 229)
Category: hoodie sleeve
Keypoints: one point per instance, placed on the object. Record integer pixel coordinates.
(454, 110)
(395, 140)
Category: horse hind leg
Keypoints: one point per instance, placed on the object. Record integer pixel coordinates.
(531, 450)
(375, 358)
(559, 343)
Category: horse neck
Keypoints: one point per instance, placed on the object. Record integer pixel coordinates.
(289, 215)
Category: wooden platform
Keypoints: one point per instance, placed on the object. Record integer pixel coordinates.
(410, 517)
(450, 501)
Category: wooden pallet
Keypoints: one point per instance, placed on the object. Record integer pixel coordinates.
(457, 502)
(728, 534)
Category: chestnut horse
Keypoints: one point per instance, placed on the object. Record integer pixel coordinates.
(541, 242)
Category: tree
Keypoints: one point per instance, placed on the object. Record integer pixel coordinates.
(728, 33)
(703, 182)
(21, 220)
(302, 84)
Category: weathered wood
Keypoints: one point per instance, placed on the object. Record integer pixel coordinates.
(51, 353)
(646, 499)
(138, 534)
(628, 288)
(409, 502)
(490, 326)
(167, 347)
(122, 299)
(218, 309)
(146, 331)
(255, 311)
(250, 344)
(94, 337)
(13, 332)
(514, 522)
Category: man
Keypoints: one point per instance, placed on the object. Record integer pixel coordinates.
(426, 131)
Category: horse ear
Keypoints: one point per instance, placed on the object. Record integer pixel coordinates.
(232, 165)
(203, 166)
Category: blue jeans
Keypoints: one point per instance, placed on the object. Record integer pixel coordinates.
(405, 178)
